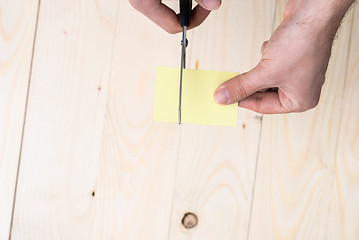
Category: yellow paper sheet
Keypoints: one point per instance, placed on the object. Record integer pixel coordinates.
(198, 105)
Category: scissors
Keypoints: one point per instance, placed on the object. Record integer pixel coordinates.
(185, 17)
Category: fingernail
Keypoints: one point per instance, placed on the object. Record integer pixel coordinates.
(211, 4)
(222, 95)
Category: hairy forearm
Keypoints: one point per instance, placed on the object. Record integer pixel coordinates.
(317, 16)
(294, 60)
(337, 8)
(327, 9)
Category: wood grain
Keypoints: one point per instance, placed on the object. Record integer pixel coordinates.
(62, 139)
(95, 166)
(294, 191)
(17, 30)
(216, 164)
(344, 223)
(138, 156)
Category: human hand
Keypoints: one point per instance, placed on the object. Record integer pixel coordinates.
(294, 62)
(167, 19)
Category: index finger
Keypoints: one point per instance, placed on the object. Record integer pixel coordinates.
(167, 18)
(210, 4)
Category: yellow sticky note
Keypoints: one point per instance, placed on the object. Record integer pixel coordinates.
(198, 105)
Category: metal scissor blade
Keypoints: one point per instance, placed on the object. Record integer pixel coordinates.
(183, 66)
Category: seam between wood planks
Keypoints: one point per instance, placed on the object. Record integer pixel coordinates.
(24, 121)
(110, 71)
(177, 161)
(258, 148)
(344, 89)
(254, 178)
(345, 75)
(175, 182)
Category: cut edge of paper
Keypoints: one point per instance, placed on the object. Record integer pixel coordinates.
(198, 105)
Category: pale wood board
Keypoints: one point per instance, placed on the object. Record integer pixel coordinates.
(65, 115)
(95, 166)
(17, 29)
(138, 156)
(294, 193)
(344, 222)
(217, 164)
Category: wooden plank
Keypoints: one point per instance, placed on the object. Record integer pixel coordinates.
(344, 221)
(294, 191)
(17, 30)
(138, 156)
(217, 164)
(64, 123)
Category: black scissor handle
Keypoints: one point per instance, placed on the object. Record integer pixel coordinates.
(185, 12)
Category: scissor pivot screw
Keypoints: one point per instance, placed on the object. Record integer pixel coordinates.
(186, 42)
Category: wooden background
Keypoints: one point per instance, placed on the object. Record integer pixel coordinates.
(81, 158)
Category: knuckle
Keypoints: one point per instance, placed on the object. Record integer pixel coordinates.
(314, 102)
(306, 104)
(134, 3)
(219, 3)
(171, 31)
(264, 44)
(241, 88)
(141, 6)
(303, 101)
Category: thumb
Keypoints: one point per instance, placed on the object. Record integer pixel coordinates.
(209, 4)
(240, 87)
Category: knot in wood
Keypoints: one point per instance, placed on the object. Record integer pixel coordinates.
(189, 220)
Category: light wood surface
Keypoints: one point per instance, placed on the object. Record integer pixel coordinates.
(94, 165)
(17, 30)
(294, 197)
(344, 223)
(65, 116)
(216, 164)
(138, 156)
